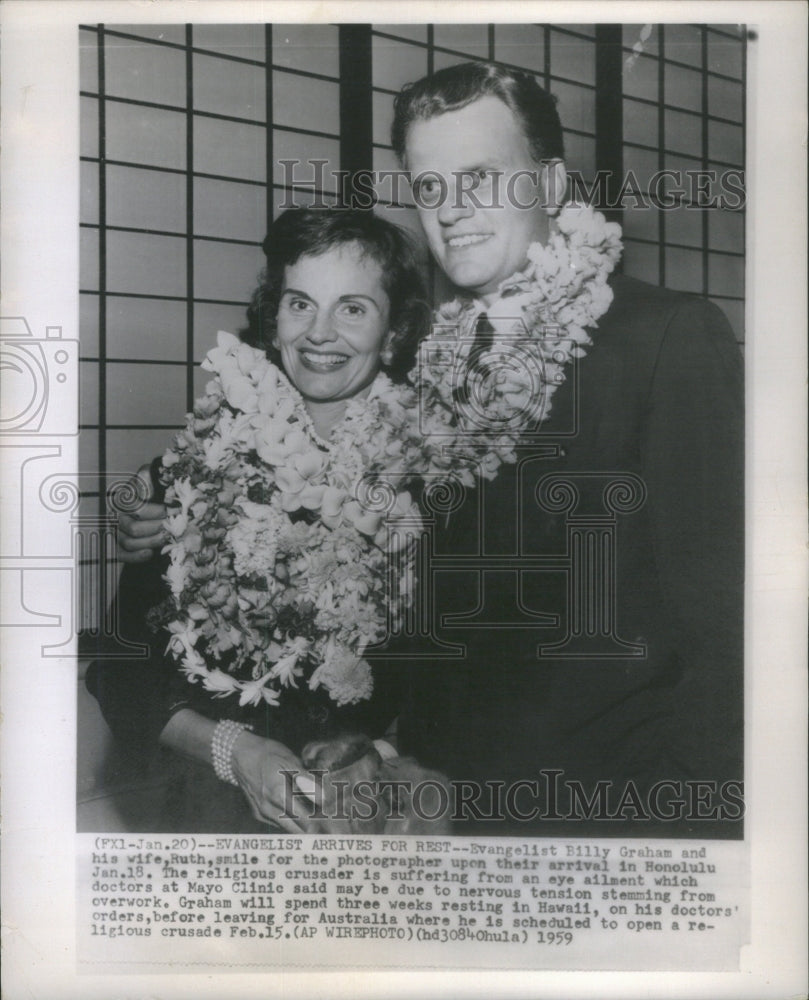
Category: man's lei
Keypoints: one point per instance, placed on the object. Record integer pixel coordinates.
(280, 550)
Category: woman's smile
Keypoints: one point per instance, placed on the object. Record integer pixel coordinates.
(321, 361)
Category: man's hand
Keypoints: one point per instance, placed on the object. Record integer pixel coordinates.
(257, 764)
(141, 534)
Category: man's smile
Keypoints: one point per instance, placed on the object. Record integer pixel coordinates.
(468, 239)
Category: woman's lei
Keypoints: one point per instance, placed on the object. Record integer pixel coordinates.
(281, 542)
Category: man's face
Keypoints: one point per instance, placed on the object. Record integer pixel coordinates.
(477, 245)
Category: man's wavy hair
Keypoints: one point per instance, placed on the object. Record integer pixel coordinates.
(455, 87)
(300, 232)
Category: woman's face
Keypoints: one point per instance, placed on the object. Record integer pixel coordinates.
(332, 323)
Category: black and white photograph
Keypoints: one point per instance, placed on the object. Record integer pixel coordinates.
(573, 630)
(402, 442)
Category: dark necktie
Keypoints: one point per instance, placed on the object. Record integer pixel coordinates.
(481, 343)
(484, 338)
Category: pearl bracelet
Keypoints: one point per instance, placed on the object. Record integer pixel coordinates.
(224, 738)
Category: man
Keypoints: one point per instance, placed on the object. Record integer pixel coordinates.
(656, 406)
(642, 720)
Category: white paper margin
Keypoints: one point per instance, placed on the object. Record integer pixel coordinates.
(40, 281)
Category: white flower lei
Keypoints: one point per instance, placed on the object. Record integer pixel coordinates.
(280, 541)
(541, 314)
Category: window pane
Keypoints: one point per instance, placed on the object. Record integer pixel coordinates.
(443, 59)
(682, 165)
(209, 318)
(683, 87)
(725, 142)
(582, 29)
(725, 98)
(145, 394)
(521, 45)
(683, 132)
(303, 102)
(305, 150)
(416, 32)
(283, 199)
(684, 225)
(145, 135)
(383, 118)
(725, 55)
(640, 77)
(150, 265)
(128, 450)
(684, 43)
(642, 163)
(88, 325)
(88, 452)
(396, 63)
(88, 126)
(88, 259)
(640, 263)
(684, 270)
(229, 88)
(88, 61)
(725, 275)
(235, 211)
(88, 196)
(146, 328)
(574, 58)
(726, 230)
(577, 106)
(310, 47)
(471, 39)
(144, 72)
(145, 199)
(395, 189)
(641, 38)
(580, 154)
(161, 32)
(88, 392)
(230, 148)
(642, 223)
(243, 40)
(640, 122)
(226, 270)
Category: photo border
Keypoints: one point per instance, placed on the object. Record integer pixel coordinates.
(40, 282)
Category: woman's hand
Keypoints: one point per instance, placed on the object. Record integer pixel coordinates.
(141, 534)
(257, 764)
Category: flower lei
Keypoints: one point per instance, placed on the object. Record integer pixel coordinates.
(541, 314)
(280, 542)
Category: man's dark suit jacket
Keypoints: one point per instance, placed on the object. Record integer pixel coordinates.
(659, 396)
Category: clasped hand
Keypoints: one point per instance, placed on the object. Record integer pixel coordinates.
(141, 534)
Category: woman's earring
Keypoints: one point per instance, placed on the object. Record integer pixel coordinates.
(386, 356)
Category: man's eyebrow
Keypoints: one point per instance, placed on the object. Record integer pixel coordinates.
(492, 164)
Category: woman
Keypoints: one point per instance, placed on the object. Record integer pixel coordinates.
(340, 302)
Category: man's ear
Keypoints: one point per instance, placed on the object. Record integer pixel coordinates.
(555, 186)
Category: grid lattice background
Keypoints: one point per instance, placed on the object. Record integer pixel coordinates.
(184, 127)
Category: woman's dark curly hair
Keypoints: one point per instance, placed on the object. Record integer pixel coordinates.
(307, 231)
